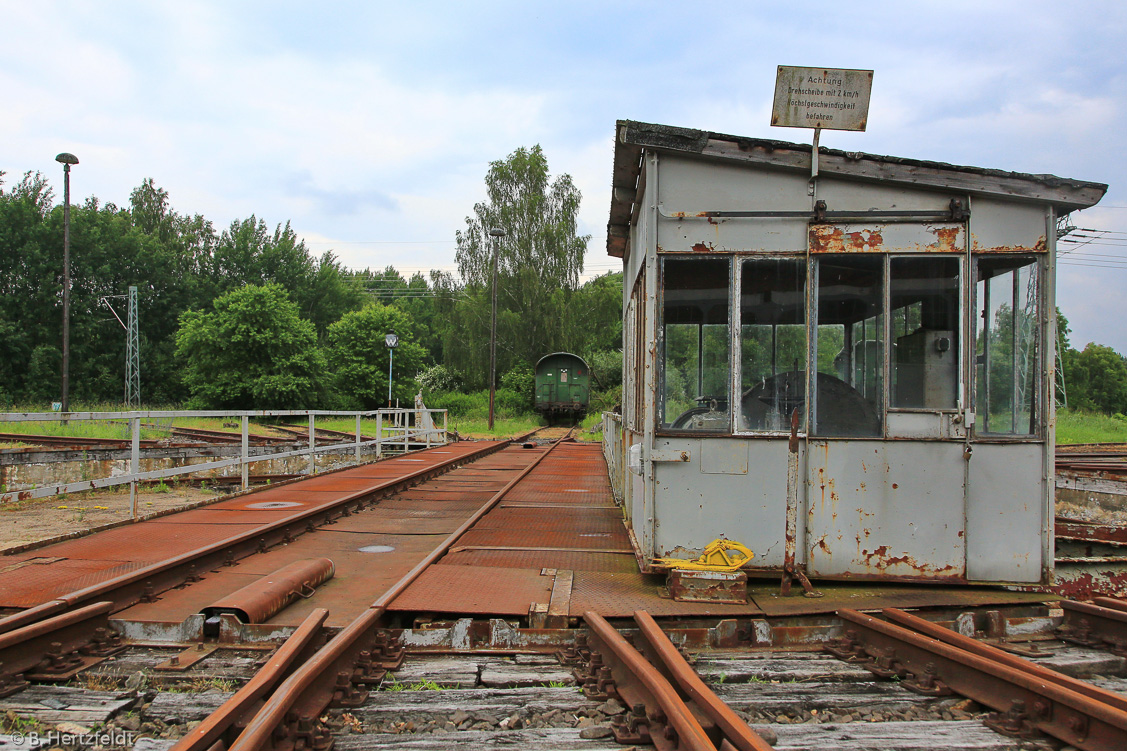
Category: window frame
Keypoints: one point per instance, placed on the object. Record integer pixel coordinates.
(1039, 407)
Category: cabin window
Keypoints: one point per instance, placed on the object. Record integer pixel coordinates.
(1006, 345)
(849, 346)
(694, 344)
(772, 343)
(924, 330)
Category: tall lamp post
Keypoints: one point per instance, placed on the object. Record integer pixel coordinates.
(496, 233)
(392, 341)
(66, 160)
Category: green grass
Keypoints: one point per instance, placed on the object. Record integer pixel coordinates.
(506, 427)
(1087, 427)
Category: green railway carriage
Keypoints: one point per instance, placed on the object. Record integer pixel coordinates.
(563, 386)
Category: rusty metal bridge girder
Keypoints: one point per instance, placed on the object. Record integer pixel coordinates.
(1025, 702)
(336, 674)
(141, 584)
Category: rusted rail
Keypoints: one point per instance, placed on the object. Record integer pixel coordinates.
(60, 440)
(219, 436)
(129, 589)
(56, 648)
(948, 636)
(1111, 603)
(658, 715)
(298, 648)
(338, 672)
(1025, 702)
(670, 706)
(1094, 626)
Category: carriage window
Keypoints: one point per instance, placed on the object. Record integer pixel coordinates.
(1006, 356)
(772, 343)
(694, 361)
(850, 331)
(924, 321)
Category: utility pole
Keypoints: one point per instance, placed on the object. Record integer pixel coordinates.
(496, 233)
(66, 160)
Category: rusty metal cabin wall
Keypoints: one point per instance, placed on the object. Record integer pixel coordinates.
(906, 506)
(640, 276)
(722, 487)
(1009, 480)
(886, 509)
(998, 226)
(689, 187)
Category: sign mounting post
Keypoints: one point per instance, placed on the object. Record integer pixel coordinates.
(830, 98)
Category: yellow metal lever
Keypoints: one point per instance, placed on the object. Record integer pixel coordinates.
(718, 555)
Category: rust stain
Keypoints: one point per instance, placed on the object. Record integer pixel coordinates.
(831, 239)
(895, 486)
(822, 544)
(702, 247)
(884, 561)
(946, 237)
(1040, 246)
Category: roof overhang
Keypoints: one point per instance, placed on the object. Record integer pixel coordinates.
(632, 139)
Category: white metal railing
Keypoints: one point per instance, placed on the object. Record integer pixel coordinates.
(613, 452)
(402, 427)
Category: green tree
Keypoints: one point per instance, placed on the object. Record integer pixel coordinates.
(30, 289)
(538, 265)
(358, 356)
(253, 351)
(1099, 380)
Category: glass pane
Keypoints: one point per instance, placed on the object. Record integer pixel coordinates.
(924, 294)
(850, 326)
(694, 367)
(1006, 356)
(772, 343)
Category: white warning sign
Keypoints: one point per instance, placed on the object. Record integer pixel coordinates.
(829, 98)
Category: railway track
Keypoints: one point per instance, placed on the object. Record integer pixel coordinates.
(358, 670)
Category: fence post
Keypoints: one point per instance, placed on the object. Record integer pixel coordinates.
(379, 434)
(357, 437)
(312, 456)
(445, 435)
(246, 452)
(134, 464)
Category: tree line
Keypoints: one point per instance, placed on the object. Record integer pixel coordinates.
(247, 317)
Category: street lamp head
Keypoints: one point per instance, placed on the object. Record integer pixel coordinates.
(65, 158)
(497, 232)
(392, 340)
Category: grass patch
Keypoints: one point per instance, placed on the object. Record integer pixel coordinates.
(503, 427)
(1088, 427)
(424, 685)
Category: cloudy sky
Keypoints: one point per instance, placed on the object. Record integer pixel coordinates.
(370, 125)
